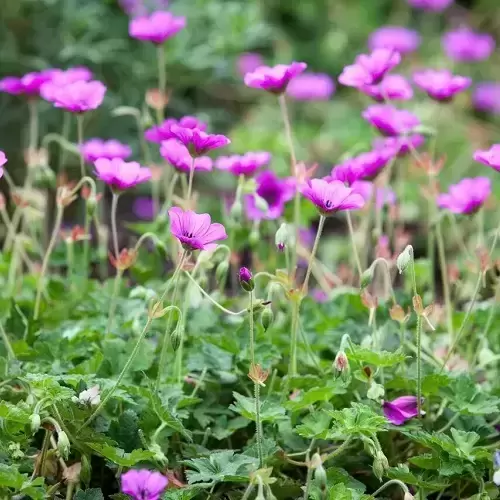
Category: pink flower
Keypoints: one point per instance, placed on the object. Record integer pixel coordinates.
(274, 191)
(157, 27)
(465, 45)
(60, 78)
(3, 161)
(98, 148)
(400, 146)
(311, 87)
(370, 69)
(77, 97)
(143, 484)
(467, 196)
(490, 157)
(28, 85)
(178, 156)
(389, 120)
(431, 5)
(401, 409)
(440, 85)
(195, 231)
(246, 164)
(383, 196)
(392, 87)
(162, 132)
(197, 141)
(244, 274)
(332, 197)
(398, 38)
(119, 174)
(248, 62)
(274, 79)
(486, 97)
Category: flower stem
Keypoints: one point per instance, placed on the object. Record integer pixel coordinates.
(45, 263)
(292, 369)
(33, 125)
(190, 183)
(353, 243)
(114, 232)
(313, 253)
(79, 127)
(338, 450)
(162, 78)
(251, 328)
(43, 454)
(11, 355)
(391, 482)
(112, 303)
(444, 275)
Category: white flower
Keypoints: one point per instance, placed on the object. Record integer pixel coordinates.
(90, 396)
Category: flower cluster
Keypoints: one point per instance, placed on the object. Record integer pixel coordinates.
(162, 132)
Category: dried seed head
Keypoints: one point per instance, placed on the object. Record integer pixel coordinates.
(257, 374)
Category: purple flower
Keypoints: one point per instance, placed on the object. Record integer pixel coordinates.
(400, 146)
(162, 132)
(195, 231)
(318, 295)
(384, 195)
(311, 87)
(197, 141)
(465, 45)
(398, 38)
(244, 274)
(401, 409)
(77, 97)
(392, 87)
(3, 161)
(28, 84)
(431, 5)
(332, 197)
(365, 166)
(248, 62)
(440, 85)
(467, 196)
(98, 148)
(178, 156)
(143, 484)
(486, 97)
(143, 208)
(60, 78)
(246, 164)
(369, 69)
(490, 157)
(274, 79)
(389, 120)
(157, 27)
(119, 174)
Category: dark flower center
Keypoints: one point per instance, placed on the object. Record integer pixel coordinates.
(328, 204)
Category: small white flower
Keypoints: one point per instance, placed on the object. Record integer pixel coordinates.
(90, 396)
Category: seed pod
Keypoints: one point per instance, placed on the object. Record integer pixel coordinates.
(404, 258)
(266, 318)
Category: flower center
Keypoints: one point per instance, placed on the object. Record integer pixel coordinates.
(328, 204)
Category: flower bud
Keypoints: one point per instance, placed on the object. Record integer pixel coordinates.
(245, 279)
(236, 210)
(91, 205)
(340, 363)
(319, 475)
(63, 444)
(366, 277)
(221, 271)
(404, 258)
(44, 177)
(375, 392)
(284, 237)
(261, 204)
(176, 337)
(266, 318)
(254, 237)
(35, 422)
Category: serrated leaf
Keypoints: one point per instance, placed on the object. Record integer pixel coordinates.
(270, 410)
(324, 393)
(48, 386)
(381, 358)
(14, 413)
(89, 494)
(426, 481)
(427, 461)
(10, 477)
(119, 456)
(316, 425)
(166, 416)
(358, 420)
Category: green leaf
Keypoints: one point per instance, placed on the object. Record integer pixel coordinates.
(315, 425)
(465, 441)
(10, 477)
(426, 481)
(48, 386)
(14, 413)
(427, 461)
(166, 415)
(89, 494)
(358, 420)
(270, 410)
(324, 393)
(119, 456)
(381, 359)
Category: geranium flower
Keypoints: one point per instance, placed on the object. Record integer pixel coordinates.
(248, 62)
(143, 208)
(400, 146)
(28, 85)
(332, 197)
(398, 38)
(431, 5)
(60, 78)
(465, 45)
(162, 132)
(77, 97)
(195, 231)
(274, 79)
(143, 484)
(440, 85)
(157, 27)
(486, 97)
(467, 196)
(99, 148)
(490, 157)
(246, 164)
(392, 87)
(389, 120)
(197, 141)
(178, 156)
(401, 409)
(369, 69)
(119, 174)
(3, 161)
(311, 87)
(383, 196)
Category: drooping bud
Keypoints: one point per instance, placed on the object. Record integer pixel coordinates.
(266, 318)
(319, 475)
(176, 337)
(236, 210)
(341, 363)
(221, 271)
(245, 279)
(404, 258)
(366, 277)
(35, 422)
(63, 444)
(380, 465)
(284, 237)
(254, 237)
(261, 203)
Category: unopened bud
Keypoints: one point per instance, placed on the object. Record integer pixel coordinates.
(245, 279)
(221, 271)
(366, 277)
(404, 258)
(254, 237)
(63, 444)
(44, 177)
(380, 465)
(284, 237)
(35, 422)
(341, 363)
(375, 392)
(319, 475)
(260, 203)
(236, 210)
(266, 318)
(176, 337)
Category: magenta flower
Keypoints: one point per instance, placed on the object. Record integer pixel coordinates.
(332, 197)
(431, 5)
(274, 191)
(157, 27)
(311, 87)
(248, 62)
(486, 97)
(392, 87)
(389, 120)
(143, 208)
(119, 174)
(60, 78)
(400, 146)
(98, 148)
(274, 79)
(383, 196)
(398, 38)
(197, 141)
(143, 484)
(28, 85)
(77, 97)
(369, 69)
(244, 274)
(490, 157)
(3, 161)
(246, 164)
(401, 409)
(465, 45)
(319, 295)
(467, 196)
(162, 132)
(178, 156)
(440, 85)
(195, 231)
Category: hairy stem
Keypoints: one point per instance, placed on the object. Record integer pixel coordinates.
(190, 183)
(162, 78)
(79, 127)
(444, 276)
(114, 232)
(313, 253)
(353, 243)
(112, 302)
